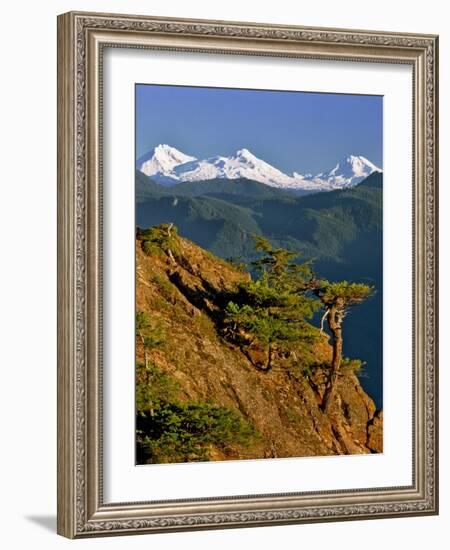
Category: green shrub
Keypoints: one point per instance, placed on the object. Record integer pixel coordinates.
(153, 388)
(165, 287)
(185, 431)
(151, 334)
(160, 239)
(171, 430)
(355, 366)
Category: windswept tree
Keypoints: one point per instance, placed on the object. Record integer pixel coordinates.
(160, 239)
(337, 298)
(271, 311)
(278, 269)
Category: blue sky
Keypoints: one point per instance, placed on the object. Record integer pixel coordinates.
(294, 131)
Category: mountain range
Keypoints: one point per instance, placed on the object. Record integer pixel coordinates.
(168, 166)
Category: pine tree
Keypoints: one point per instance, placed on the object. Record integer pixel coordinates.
(272, 310)
(337, 298)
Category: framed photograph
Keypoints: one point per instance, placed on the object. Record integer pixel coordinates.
(247, 274)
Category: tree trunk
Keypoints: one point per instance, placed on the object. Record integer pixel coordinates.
(144, 347)
(171, 256)
(335, 317)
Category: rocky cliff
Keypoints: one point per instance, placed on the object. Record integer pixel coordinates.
(182, 293)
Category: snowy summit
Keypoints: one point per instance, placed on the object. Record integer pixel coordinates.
(169, 166)
(348, 172)
(160, 162)
(242, 164)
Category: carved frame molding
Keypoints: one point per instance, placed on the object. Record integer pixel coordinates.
(81, 39)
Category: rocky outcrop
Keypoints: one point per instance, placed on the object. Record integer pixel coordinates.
(184, 293)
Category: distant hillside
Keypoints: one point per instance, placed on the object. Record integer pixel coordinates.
(146, 187)
(320, 225)
(194, 377)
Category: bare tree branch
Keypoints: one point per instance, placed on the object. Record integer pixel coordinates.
(322, 322)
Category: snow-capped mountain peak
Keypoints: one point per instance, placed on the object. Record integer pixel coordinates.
(245, 154)
(242, 164)
(162, 160)
(349, 171)
(357, 165)
(169, 166)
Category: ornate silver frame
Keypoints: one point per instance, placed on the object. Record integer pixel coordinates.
(81, 39)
